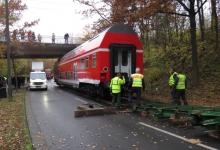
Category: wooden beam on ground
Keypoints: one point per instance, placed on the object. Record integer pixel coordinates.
(80, 112)
(92, 110)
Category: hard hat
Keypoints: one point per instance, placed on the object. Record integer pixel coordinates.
(137, 70)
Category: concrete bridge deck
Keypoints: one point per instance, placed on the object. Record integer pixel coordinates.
(36, 50)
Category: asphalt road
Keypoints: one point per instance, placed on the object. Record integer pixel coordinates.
(53, 127)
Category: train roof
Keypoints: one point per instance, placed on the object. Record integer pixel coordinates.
(121, 28)
(97, 40)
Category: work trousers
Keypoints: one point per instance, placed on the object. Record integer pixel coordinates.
(137, 91)
(116, 99)
(173, 94)
(180, 94)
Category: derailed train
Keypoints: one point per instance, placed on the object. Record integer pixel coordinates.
(91, 65)
(118, 49)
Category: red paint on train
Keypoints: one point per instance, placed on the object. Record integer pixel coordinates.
(117, 49)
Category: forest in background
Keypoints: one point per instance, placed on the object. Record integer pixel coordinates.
(179, 35)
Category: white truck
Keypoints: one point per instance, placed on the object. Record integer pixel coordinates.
(37, 66)
(38, 78)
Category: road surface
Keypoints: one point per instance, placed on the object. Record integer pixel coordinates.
(53, 127)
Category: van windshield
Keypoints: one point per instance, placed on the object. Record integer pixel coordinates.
(35, 76)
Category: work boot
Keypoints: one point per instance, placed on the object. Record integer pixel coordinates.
(134, 107)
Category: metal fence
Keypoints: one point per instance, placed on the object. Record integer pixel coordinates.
(2, 38)
(44, 39)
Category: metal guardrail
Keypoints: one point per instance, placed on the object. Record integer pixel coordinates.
(2, 38)
(44, 39)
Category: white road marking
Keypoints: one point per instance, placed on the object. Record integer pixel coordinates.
(85, 102)
(79, 99)
(177, 136)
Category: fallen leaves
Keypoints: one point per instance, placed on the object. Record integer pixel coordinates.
(206, 94)
(1, 141)
(194, 141)
(13, 130)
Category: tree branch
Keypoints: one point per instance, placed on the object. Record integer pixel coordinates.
(101, 15)
(184, 6)
(201, 6)
(95, 9)
(174, 13)
(109, 3)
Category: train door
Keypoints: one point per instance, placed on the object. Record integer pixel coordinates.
(123, 59)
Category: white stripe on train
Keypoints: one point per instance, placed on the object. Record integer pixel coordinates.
(75, 83)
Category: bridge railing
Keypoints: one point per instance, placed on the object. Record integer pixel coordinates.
(44, 39)
(2, 38)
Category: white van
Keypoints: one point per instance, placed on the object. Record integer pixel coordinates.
(38, 80)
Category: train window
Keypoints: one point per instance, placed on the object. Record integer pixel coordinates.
(68, 75)
(94, 37)
(82, 63)
(63, 75)
(94, 61)
(87, 62)
(115, 59)
(124, 58)
(60, 75)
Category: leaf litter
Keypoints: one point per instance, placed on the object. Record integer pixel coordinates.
(13, 129)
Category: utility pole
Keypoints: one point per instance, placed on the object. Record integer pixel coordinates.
(7, 35)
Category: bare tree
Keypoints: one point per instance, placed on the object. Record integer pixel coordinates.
(189, 7)
(201, 19)
(214, 21)
(98, 7)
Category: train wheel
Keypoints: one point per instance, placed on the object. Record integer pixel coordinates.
(134, 107)
(91, 91)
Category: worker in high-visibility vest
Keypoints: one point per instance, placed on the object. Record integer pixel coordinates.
(3, 81)
(115, 87)
(181, 89)
(137, 83)
(172, 83)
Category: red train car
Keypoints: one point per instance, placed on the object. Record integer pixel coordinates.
(92, 64)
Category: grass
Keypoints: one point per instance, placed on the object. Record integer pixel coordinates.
(14, 132)
(206, 94)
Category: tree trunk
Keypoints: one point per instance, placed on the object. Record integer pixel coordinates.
(15, 74)
(157, 28)
(167, 32)
(201, 20)
(214, 22)
(176, 26)
(195, 67)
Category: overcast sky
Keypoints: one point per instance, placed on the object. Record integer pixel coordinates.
(56, 16)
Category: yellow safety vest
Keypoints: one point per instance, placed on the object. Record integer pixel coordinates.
(116, 83)
(171, 79)
(137, 80)
(181, 83)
